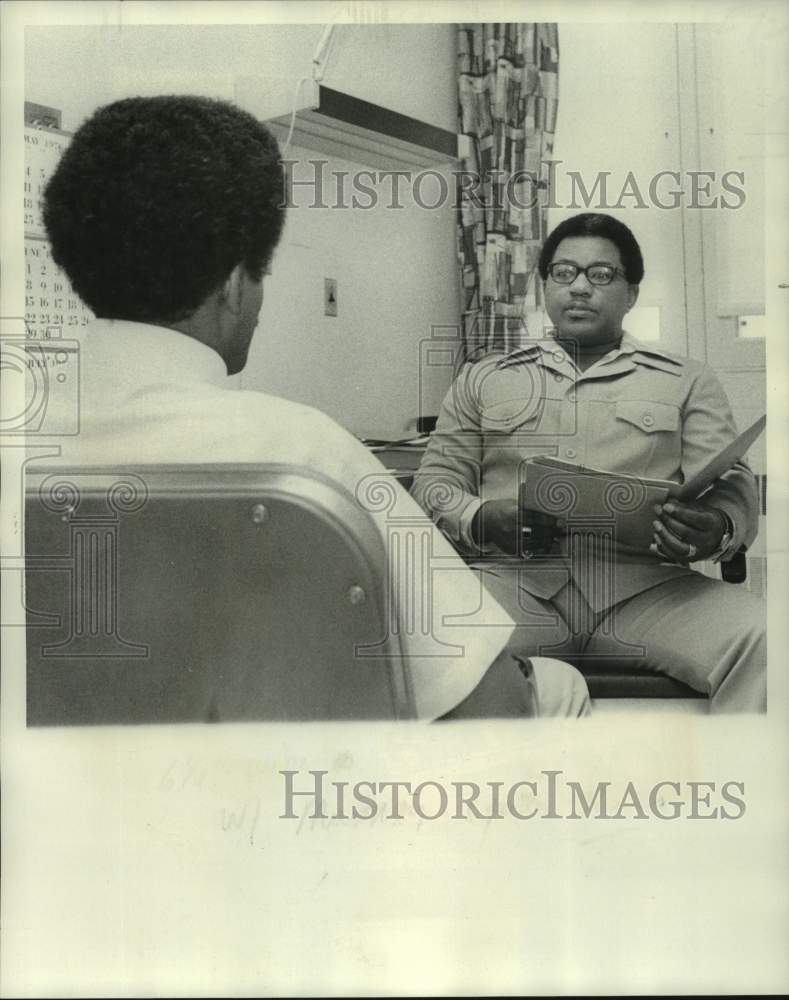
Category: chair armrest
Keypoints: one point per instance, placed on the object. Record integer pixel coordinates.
(736, 569)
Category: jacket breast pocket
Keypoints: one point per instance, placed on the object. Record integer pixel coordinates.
(648, 416)
(648, 435)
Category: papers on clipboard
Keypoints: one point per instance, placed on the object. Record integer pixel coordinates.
(722, 462)
(597, 500)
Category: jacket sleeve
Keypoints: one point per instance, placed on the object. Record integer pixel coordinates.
(447, 484)
(708, 427)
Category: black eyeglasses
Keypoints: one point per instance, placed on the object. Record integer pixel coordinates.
(564, 273)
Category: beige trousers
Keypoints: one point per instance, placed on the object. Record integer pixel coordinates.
(706, 633)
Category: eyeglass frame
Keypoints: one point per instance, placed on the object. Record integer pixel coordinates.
(584, 271)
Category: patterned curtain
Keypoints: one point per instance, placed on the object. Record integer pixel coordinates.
(508, 95)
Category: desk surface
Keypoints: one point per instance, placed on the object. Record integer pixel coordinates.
(402, 460)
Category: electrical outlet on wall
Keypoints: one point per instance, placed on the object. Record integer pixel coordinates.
(329, 297)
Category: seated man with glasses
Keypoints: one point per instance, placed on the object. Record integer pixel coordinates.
(594, 396)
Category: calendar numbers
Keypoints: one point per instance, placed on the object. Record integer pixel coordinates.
(52, 309)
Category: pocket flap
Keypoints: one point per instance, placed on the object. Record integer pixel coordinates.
(648, 416)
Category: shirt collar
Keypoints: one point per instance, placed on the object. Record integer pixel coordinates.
(135, 354)
(630, 345)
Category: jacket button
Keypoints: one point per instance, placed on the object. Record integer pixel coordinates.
(647, 420)
(570, 452)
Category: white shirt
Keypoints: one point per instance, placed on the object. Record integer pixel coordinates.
(150, 395)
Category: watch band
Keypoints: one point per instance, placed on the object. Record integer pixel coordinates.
(726, 541)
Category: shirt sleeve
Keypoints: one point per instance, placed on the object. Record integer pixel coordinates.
(447, 484)
(450, 630)
(708, 427)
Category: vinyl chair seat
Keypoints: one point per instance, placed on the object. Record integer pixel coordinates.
(606, 680)
(205, 593)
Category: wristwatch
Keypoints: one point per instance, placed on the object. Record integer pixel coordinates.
(728, 534)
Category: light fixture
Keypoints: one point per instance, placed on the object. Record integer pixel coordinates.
(341, 125)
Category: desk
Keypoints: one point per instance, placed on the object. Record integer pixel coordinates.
(402, 460)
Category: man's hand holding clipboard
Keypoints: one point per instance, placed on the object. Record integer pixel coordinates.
(687, 529)
(683, 527)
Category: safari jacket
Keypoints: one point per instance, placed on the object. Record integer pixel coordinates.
(638, 410)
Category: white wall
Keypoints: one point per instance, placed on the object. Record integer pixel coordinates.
(396, 276)
(618, 112)
(395, 268)
(405, 67)
(663, 97)
(643, 97)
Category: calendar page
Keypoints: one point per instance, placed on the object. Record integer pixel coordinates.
(52, 309)
(55, 316)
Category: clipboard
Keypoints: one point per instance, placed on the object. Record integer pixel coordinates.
(594, 500)
(597, 499)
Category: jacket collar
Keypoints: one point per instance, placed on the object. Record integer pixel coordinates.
(627, 357)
